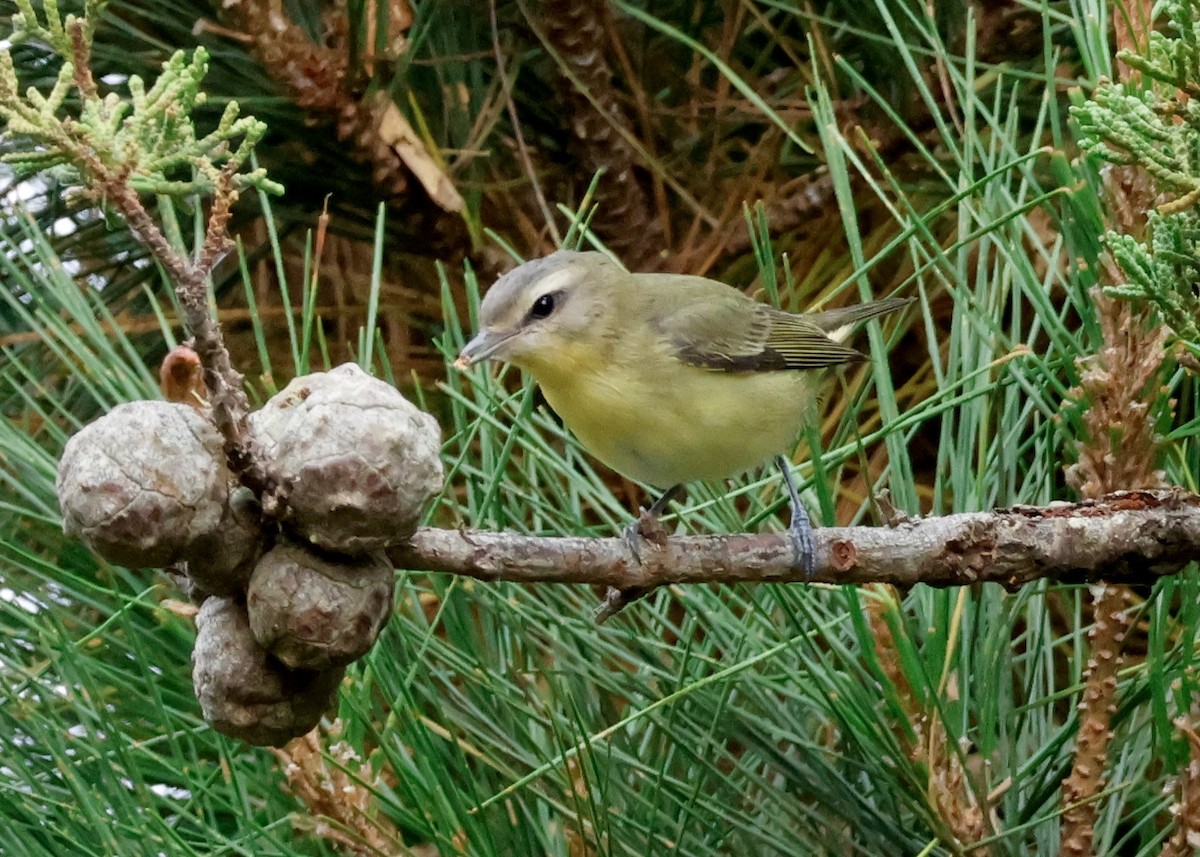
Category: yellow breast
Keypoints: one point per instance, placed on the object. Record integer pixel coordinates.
(663, 422)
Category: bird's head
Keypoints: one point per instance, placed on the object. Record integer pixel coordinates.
(544, 309)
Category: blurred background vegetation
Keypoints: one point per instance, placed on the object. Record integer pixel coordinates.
(811, 151)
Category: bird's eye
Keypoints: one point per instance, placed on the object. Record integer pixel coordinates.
(543, 306)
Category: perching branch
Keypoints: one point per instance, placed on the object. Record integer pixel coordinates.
(1130, 537)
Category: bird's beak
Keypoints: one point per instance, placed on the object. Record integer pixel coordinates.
(482, 346)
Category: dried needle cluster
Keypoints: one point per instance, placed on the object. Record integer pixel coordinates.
(327, 78)
(1118, 388)
(333, 782)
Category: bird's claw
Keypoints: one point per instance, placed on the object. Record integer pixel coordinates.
(632, 535)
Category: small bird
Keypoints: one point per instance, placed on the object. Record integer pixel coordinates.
(666, 378)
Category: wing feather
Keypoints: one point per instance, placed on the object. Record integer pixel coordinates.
(741, 335)
(719, 328)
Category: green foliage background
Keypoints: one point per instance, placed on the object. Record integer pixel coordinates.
(759, 720)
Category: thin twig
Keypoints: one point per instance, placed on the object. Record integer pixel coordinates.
(111, 188)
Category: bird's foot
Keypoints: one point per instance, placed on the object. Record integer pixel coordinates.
(804, 546)
(800, 529)
(616, 600)
(646, 528)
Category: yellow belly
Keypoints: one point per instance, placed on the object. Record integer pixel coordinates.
(663, 422)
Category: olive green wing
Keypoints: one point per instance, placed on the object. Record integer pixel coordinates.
(736, 334)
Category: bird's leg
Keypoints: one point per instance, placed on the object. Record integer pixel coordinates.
(800, 529)
(647, 525)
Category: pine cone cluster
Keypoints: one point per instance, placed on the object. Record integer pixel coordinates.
(293, 586)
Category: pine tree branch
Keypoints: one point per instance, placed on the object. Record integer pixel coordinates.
(1127, 537)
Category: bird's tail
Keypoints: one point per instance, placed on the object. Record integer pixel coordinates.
(837, 322)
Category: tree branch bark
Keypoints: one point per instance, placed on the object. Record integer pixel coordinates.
(1128, 537)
